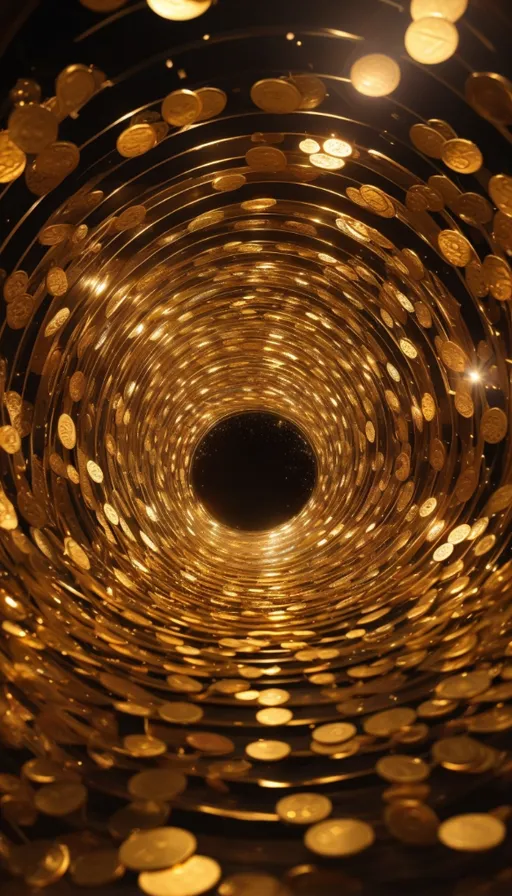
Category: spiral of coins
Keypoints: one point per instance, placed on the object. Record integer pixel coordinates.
(238, 207)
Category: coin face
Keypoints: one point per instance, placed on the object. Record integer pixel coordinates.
(339, 837)
(195, 876)
(268, 750)
(375, 75)
(387, 722)
(157, 848)
(402, 769)
(213, 102)
(276, 95)
(159, 784)
(463, 686)
(66, 431)
(274, 716)
(455, 247)
(136, 140)
(180, 713)
(491, 96)
(61, 798)
(181, 107)
(12, 159)
(334, 733)
(304, 808)
(473, 832)
(311, 89)
(265, 158)
(462, 156)
(427, 140)
(32, 127)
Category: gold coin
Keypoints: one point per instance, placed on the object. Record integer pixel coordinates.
(443, 127)
(103, 5)
(334, 146)
(339, 837)
(384, 723)
(268, 750)
(473, 832)
(498, 277)
(411, 822)
(53, 234)
(10, 439)
(311, 89)
(334, 733)
(214, 744)
(136, 140)
(19, 312)
(75, 85)
(213, 102)
(464, 686)
(32, 127)
(226, 182)
(443, 185)
(180, 10)
(142, 745)
(491, 96)
(303, 808)
(76, 553)
(500, 191)
(180, 713)
(475, 279)
(427, 140)
(377, 200)
(462, 156)
(158, 784)
(493, 425)
(265, 158)
(77, 385)
(502, 227)
(473, 208)
(252, 883)
(96, 868)
(61, 798)
(453, 356)
(181, 107)
(276, 95)
(463, 402)
(66, 431)
(12, 159)
(40, 863)
(325, 161)
(130, 217)
(455, 248)
(15, 285)
(197, 875)
(273, 697)
(57, 281)
(458, 751)
(46, 771)
(157, 848)
(402, 769)
(57, 321)
(141, 815)
(421, 198)
(274, 716)
(205, 220)
(183, 684)
(431, 40)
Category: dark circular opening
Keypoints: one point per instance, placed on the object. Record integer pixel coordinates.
(254, 470)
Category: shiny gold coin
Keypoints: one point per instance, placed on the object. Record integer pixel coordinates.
(157, 784)
(77, 385)
(96, 868)
(411, 822)
(141, 815)
(377, 200)
(214, 744)
(464, 686)
(265, 158)
(66, 431)
(443, 127)
(472, 207)
(180, 713)
(32, 127)
(473, 832)
(46, 771)
(61, 798)
(227, 182)
(136, 140)
(57, 281)
(493, 425)
(500, 191)
(326, 162)
(12, 159)
(130, 217)
(19, 312)
(458, 751)
(303, 808)
(56, 322)
(195, 876)
(268, 750)
(311, 89)
(142, 745)
(427, 140)
(462, 156)
(402, 769)
(10, 439)
(384, 723)
(213, 102)
(274, 716)
(453, 356)
(276, 95)
(455, 247)
(491, 96)
(339, 837)
(15, 285)
(431, 40)
(334, 733)
(40, 863)
(181, 107)
(157, 848)
(273, 697)
(75, 85)
(498, 277)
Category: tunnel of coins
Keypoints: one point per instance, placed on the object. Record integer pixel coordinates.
(214, 211)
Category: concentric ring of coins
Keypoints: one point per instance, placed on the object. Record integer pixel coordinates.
(341, 683)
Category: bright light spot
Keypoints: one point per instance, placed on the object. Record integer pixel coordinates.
(290, 35)
(475, 376)
(375, 75)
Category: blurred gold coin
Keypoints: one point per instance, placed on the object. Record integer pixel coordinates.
(273, 697)
(464, 686)
(303, 808)
(326, 162)
(75, 85)
(157, 784)
(491, 96)
(40, 863)
(53, 234)
(12, 159)
(473, 207)
(411, 822)
(10, 439)
(60, 798)
(311, 89)
(143, 745)
(32, 127)
(493, 425)
(268, 750)
(402, 769)
(384, 723)
(473, 832)
(96, 868)
(139, 815)
(500, 191)
(57, 281)
(226, 182)
(180, 713)
(462, 156)
(181, 107)
(15, 285)
(213, 102)
(276, 95)
(334, 733)
(77, 385)
(274, 716)
(195, 876)
(19, 312)
(208, 742)
(339, 837)
(157, 848)
(453, 356)
(136, 140)
(265, 158)
(431, 40)
(179, 10)
(427, 140)
(498, 277)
